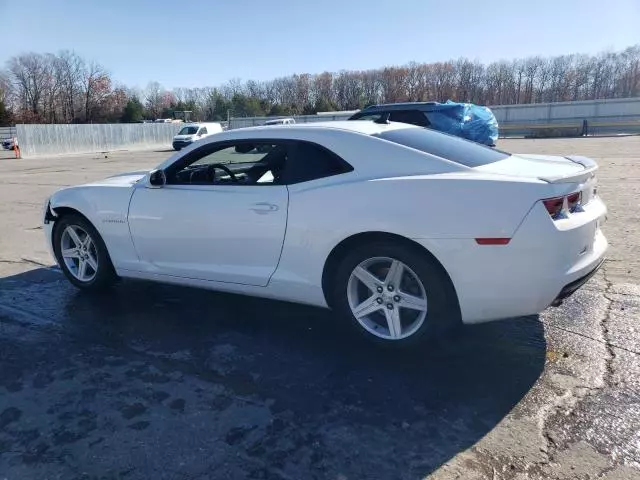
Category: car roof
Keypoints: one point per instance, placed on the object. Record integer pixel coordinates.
(364, 127)
(346, 138)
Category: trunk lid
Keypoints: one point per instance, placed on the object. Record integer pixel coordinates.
(548, 168)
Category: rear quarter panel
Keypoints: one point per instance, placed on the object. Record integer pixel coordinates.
(324, 212)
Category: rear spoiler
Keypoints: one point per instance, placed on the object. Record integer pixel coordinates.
(590, 167)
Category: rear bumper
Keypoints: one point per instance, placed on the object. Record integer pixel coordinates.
(544, 262)
(574, 286)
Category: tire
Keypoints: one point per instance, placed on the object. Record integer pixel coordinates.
(422, 279)
(103, 275)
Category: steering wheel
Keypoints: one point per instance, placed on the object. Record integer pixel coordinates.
(211, 169)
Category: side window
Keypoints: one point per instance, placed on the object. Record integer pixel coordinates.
(203, 131)
(308, 161)
(414, 117)
(232, 163)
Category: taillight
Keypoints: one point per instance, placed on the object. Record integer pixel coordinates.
(555, 206)
(573, 201)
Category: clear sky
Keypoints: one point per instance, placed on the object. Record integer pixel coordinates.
(205, 43)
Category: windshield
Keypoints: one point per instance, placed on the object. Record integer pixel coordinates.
(188, 131)
(455, 149)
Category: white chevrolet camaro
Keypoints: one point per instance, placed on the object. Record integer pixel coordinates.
(401, 230)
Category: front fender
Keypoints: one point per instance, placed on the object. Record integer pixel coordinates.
(107, 209)
(74, 199)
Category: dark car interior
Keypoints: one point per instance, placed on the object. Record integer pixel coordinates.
(254, 170)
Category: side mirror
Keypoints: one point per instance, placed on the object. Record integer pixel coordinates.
(157, 178)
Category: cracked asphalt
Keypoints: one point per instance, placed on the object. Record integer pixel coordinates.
(162, 382)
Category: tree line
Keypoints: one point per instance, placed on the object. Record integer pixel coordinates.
(65, 88)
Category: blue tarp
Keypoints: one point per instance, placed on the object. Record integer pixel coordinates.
(465, 120)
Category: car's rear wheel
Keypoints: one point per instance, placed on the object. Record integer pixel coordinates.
(82, 254)
(394, 294)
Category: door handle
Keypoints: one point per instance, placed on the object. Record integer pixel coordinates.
(263, 208)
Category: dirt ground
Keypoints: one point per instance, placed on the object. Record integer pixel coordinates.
(161, 382)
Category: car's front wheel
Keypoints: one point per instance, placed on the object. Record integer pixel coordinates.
(394, 295)
(82, 254)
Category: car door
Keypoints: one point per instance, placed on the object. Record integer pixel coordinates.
(213, 228)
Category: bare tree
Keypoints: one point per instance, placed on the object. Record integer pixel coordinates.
(393, 84)
(5, 88)
(254, 89)
(348, 90)
(66, 88)
(444, 77)
(323, 88)
(464, 81)
(232, 87)
(96, 86)
(629, 81)
(29, 74)
(70, 71)
(153, 99)
(414, 81)
(303, 89)
(371, 87)
(599, 69)
(181, 94)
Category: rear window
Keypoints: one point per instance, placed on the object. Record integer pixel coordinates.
(446, 146)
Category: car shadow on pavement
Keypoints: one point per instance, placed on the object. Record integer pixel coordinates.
(239, 386)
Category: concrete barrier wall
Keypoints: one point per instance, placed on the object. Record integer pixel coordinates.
(613, 110)
(57, 139)
(607, 116)
(617, 112)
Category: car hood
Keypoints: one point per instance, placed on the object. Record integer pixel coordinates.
(123, 179)
(549, 168)
(183, 137)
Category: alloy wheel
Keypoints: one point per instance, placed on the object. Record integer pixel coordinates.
(79, 253)
(387, 298)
